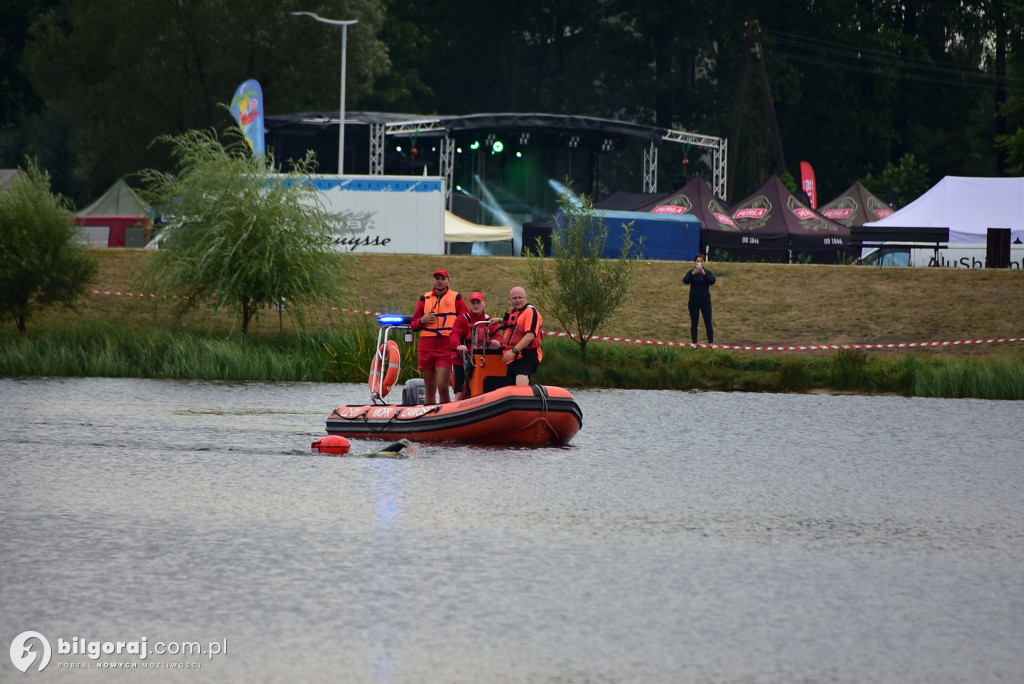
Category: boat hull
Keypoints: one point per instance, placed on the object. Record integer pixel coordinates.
(536, 414)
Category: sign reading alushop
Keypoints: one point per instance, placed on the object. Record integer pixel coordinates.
(385, 214)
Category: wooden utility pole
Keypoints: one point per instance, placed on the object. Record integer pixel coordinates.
(756, 53)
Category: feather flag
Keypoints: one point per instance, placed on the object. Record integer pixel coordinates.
(808, 183)
(247, 106)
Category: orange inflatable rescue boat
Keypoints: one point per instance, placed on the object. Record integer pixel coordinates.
(490, 414)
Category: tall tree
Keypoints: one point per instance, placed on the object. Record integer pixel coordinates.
(27, 124)
(855, 86)
(582, 288)
(241, 238)
(40, 262)
(1010, 131)
(163, 67)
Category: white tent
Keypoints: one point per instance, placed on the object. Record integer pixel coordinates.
(118, 200)
(7, 175)
(968, 207)
(458, 229)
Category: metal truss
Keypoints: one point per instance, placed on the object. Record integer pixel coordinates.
(650, 169)
(376, 149)
(379, 133)
(719, 161)
(719, 153)
(691, 138)
(448, 169)
(419, 126)
(719, 168)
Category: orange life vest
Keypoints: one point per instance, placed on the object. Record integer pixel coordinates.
(444, 308)
(517, 323)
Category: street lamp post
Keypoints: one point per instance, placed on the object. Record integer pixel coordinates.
(344, 24)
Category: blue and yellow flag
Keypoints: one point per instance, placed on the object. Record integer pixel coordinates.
(247, 106)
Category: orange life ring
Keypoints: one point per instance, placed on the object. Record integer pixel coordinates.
(394, 355)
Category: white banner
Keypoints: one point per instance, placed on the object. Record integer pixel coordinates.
(385, 214)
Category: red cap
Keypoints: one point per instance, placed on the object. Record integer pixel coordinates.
(443, 272)
(477, 295)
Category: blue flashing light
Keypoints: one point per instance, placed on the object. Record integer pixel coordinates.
(394, 319)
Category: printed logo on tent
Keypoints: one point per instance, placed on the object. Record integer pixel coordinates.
(808, 218)
(754, 214)
(716, 210)
(878, 208)
(841, 210)
(679, 205)
(838, 214)
(725, 220)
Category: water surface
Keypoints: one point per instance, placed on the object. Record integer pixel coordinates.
(703, 537)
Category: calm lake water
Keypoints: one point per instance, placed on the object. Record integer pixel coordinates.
(683, 537)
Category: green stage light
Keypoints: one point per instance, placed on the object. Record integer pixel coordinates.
(475, 145)
(498, 146)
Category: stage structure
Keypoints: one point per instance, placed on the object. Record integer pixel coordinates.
(525, 151)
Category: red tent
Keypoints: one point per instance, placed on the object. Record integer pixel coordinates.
(120, 215)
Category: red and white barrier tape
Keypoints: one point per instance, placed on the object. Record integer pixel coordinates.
(136, 294)
(802, 347)
(737, 347)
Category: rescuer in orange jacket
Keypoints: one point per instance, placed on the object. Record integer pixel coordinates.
(435, 315)
(465, 333)
(520, 337)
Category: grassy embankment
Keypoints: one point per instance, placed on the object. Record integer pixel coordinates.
(755, 305)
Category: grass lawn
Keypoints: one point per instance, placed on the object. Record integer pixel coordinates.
(754, 304)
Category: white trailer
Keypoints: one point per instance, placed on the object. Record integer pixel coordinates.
(951, 256)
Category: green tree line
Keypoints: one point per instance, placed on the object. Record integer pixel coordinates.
(87, 87)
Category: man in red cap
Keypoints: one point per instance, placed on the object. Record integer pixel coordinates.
(435, 314)
(466, 334)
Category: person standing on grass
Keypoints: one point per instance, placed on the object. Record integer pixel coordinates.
(435, 315)
(700, 280)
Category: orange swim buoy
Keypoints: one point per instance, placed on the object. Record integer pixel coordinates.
(331, 444)
(394, 355)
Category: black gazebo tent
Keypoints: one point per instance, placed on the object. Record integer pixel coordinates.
(855, 207)
(773, 225)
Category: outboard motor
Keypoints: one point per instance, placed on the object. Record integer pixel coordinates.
(414, 393)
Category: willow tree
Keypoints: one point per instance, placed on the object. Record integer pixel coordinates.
(581, 288)
(238, 236)
(40, 262)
